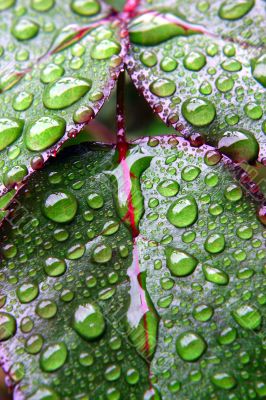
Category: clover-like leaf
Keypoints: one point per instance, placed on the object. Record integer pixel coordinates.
(59, 63)
(162, 300)
(201, 66)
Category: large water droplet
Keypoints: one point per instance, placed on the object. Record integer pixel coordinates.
(10, 130)
(168, 188)
(15, 175)
(179, 262)
(85, 7)
(27, 292)
(215, 243)
(55, 266)
(198, 111)
(105, 49)
(89, 321)
(259, 69)
(44, 132)
(194, 61)
(203, 313)
(215, 275)
(240, 145)
(102, 254)
(152, 28)
(34, 344)
(64, 92)
(25, 29)
(22, 101)
(235, 9)
(42, 5)
(8, 326)
(44, 393)
(183, 212)
(247, 316)
(53, 357)
(163, 87)
(190, 346)
(4, 4)
(223, 380)
(60, 206)
(51, 73)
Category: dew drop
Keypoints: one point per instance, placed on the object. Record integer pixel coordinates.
(223, 380)
(102, 254)
(89, 321)
(60, 206)
(227, 336)
(163, 87)
(194, 61)
(85, 7)
(231, 65)
(179, 262)
(25, 29)
(54, 266)
(8, 326)
(44, 393)
(27, 292)
(240, 145)
(183, 212)
(53, 357)
(247, 316)
(215, 243)
(105, 49)
(168, 188)
(34, 344)
(10, 130)
(198, 111)
(235, 9)
(4, 4)
(215, 275)
(46, 309)
(51, 72)
(259, 69)
(44, 132)
(15, 175)
(202, 312)
(22, 101)
(64, 92)
(42, 5)
(190, 346)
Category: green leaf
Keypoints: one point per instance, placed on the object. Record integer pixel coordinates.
(204, 73)
(99, 305)
(59, 63)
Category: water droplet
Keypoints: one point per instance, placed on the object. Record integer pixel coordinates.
(53, 357)
(163, 87)
(224, 83)
(64, 92)
(17, 372)
(240, 145)
(86, 7)
(198, 111)
(25, 29)
(10, 130)
(34, 344)
(112, 372)
(44, 393)
(215, 243)
(83, 114)
(15, 175)
(168, 64)
(105, 49)
(229, 50)
(8, 326)
(151, 28)
(44, 132)
(42, 5)
(110, 228)
(233, 192)
(22, 101)
(247, 316)
(54, 266)
(202, 313)
(215, 275)
(168, 188)
(223, 380)
(190, 173)
(148, 58)
(4, 4)
(235, 9)
(205, 88)
(51, 72)
(253, 111)
(190, 346)
(60, 206)
(102, 254)
(89, 321)
(132, 376)
(95, 201)
(231, 65)
(183, 212)
(194, 61)
(75, 252)
(259, 69)
(227, 336)
(179, 262)
(27, 292)
(46, 309)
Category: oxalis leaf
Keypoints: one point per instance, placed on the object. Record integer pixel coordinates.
(59, 62)
(201, 66)
(99, 303)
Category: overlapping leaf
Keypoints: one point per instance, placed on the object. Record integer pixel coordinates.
(201, 66)
(59, 63)
(194, 272)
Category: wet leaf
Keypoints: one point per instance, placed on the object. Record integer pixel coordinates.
(201, 67)
(59, 62)
(173, 299)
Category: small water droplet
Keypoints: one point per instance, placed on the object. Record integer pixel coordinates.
(247, 316)
(105, 49)
(44, 132)
(53, 357)
(163, 87)
(190, 346)
(179, 262)
(10, 130)
(198, 111)
(235, 9)
(25, 29)
(89, 321)
(8, 326)
(86, 7)
(183, 212)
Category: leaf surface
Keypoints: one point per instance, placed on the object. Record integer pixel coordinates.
(58, 66)
(204, 74)
(195, 267)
